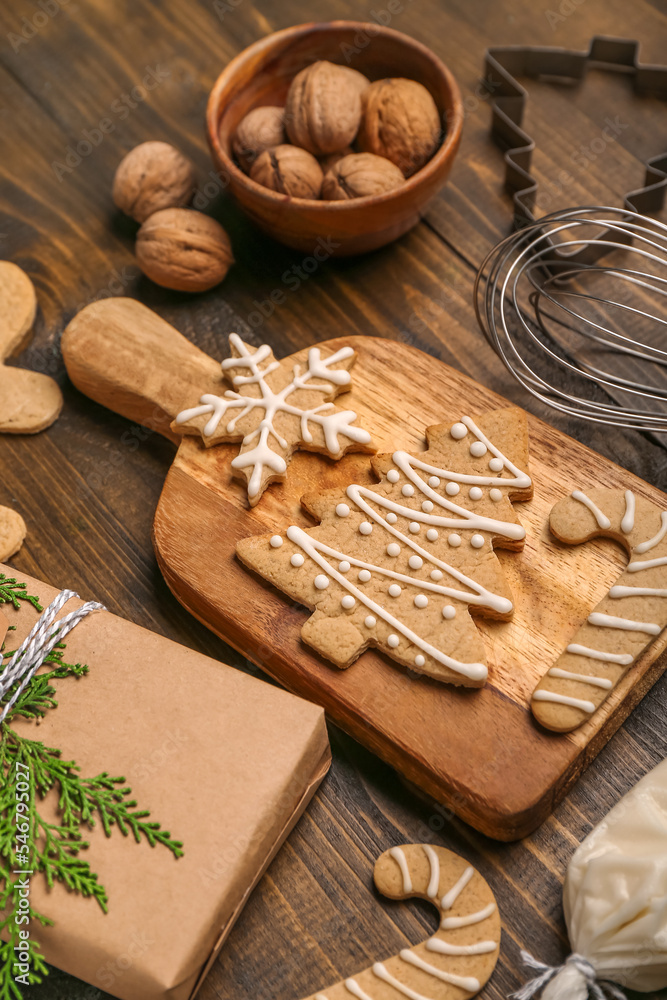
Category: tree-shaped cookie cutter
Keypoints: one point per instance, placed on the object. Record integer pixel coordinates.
(503, 64)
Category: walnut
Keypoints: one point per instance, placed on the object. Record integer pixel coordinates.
(153, 175)
(288, 170)
(323, 107)
(327, 162)
(401, 122)
(182, 249)
(261, 129)
(360, 175)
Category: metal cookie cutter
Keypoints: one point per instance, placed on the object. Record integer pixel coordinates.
(504, 63)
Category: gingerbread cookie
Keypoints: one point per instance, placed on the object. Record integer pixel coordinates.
(625, 621)
(460, 958)
(275, 408)
(29, 401)
(12, 533)
(402, 565)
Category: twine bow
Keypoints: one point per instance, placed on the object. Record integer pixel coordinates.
(599, 990)
(34, 649)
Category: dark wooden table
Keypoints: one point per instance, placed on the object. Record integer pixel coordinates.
(88, 487)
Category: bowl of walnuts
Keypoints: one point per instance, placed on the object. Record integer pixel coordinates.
(335, 134)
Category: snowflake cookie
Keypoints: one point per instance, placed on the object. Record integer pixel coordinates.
(275, 408)
(403, 564)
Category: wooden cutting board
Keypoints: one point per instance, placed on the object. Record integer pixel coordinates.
(478, 752)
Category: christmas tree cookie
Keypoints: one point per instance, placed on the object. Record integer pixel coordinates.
(402, 565)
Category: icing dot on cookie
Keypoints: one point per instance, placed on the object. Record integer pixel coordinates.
(408, 490)
(365, 528)
(495, 464)
(393, 476)
(436, 574)
(414, 527)
(415, 562)
(454, 540)
(394, 590)
(344, 566)
(391, 517)
(348, 602)
(342, 510)
(434, 482)
(419, 660)
(297, 559)
(321, 581)
(276, 541)
(448, 611)
(364, 575)
(393, 549)
(477, 449)
(452, 489)
(477, 541)
(369, 621)
(427, 506)
(421, 600)
(496, 494)
(458, 431)
(475, 493)
(431, 534)
(393, 641)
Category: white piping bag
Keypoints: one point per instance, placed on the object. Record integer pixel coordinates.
(615, 903)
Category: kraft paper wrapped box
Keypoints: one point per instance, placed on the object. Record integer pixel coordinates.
(226, 762)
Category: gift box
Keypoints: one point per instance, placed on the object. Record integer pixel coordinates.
(225, 762)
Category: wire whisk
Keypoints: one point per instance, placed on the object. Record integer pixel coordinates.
(575, 306)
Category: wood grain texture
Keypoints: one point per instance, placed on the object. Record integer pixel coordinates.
(89, 486)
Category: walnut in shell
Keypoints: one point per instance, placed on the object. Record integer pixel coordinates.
(288, 170)
(323, 107)
(182, 249)
(400, 121)
(153, 176)
(360, 175)
(261, 129)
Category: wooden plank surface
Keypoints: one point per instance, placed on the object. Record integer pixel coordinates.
(89, 486)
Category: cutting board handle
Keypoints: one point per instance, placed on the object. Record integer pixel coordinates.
(127, 358)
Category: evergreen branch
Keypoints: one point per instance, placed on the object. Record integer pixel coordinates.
(12, 592)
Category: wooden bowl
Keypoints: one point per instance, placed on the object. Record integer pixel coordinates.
(262, 73)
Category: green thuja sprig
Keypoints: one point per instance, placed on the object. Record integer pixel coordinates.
(31, 843)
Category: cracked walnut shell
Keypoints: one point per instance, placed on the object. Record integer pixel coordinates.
(361, 175)
(182, 249)
(401, 122)
(323, 107)
(288, 170)
(153, 176)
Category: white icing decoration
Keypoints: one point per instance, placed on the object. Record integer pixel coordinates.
(414, 527)
(342, 510)
(393, 476)
(454, 540)
(276, 541)
(298, 560)
(464, 982)
(432, 535)
(477, 541)
(364, 575)
(477, 449)
(398, 854)
(451, 923)
(449, 611)
(353, 987)
(458, 431)
(445, 948)
(408, 490)
(496, 464)
(628, 522)
(394, 590)
(495, 494)
(450, 897)
(419, 660)
(563, 699)
(475, 493)
(391, 517)
(427, 506)
(617, 592)
(434, 862)
(262, 457)
(434, 482)
(602, 519)
(451, 489)
(365, 528)
(348, 601)
(415, 562)
(609, 621)
(652, 542)
(321, 582)
(598, 654)
(393, 549)
(436, 574)
(343, 566)
(369, 621)
(567, 675)
(386, 977)
(393, 641)
(636, 567)
(421, 600)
